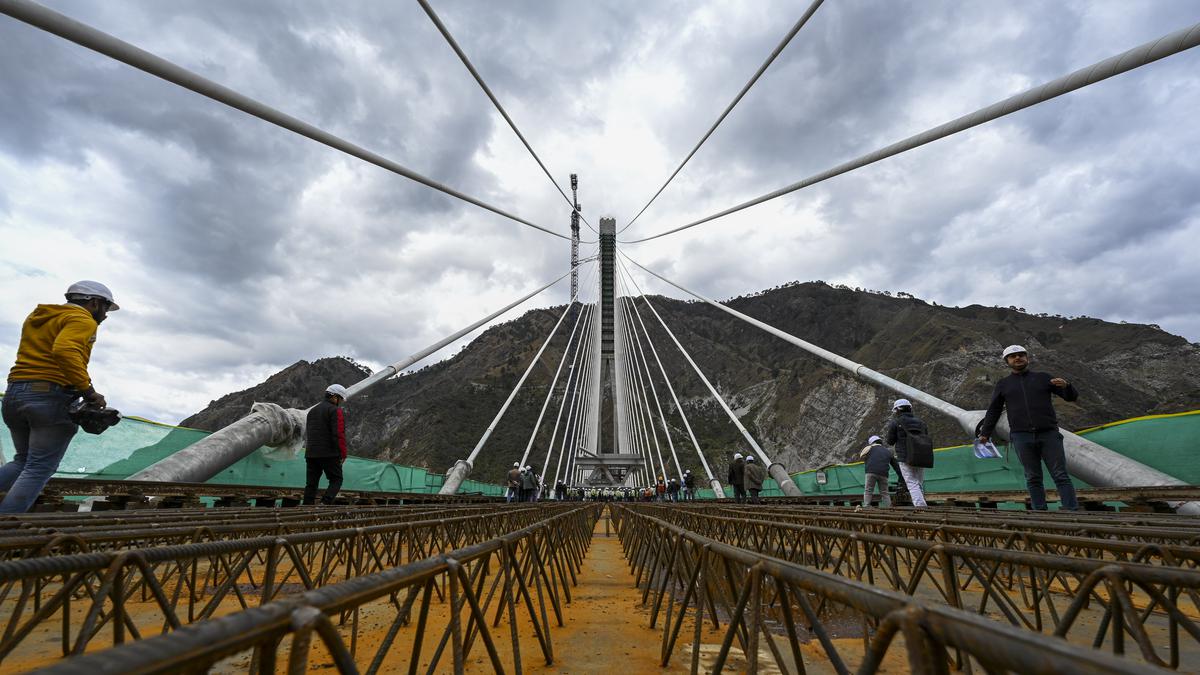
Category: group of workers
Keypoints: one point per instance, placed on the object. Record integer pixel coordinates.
(50, 395)
(1033, 433)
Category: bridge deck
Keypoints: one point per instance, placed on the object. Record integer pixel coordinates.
(586, 587)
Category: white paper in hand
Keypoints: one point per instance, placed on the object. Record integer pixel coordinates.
(986, 450)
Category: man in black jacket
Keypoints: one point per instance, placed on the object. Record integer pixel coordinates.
(1032, 425)
(689, 486)
(325, 443)
(737, 477)
(877, 460)
(915, 455)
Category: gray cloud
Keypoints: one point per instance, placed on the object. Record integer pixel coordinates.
(244, 247)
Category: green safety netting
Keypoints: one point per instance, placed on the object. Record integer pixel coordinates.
(136, 443)
(1164, 442)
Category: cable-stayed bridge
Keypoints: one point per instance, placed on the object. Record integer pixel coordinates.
(402, 581)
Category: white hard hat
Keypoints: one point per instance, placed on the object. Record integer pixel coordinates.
(516, 464)
(528, 468)
(687, 472)
(900, 403)
(336, 390)
(873, 440)
(1013, 349)
(93, 289)
(737, 455)
(750, 458)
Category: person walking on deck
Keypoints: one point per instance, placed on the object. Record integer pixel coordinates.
(755, 474)
(527, 485)
(535, 483)
(325, 445)
(909, 438)
(877, 459)
(673, 490)
(689, 486)
(737, 477)
(50, 373)
(513, 483)
(1033, 425)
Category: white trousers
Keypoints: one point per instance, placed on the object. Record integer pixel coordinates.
(914, 478)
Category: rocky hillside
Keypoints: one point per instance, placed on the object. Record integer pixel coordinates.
(804, 413)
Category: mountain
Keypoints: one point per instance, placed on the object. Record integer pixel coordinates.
(803, 412)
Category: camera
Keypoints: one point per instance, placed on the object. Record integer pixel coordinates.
(93, 419)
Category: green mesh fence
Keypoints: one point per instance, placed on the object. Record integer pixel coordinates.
(135, 444)
(770, 489)
(1164, 442)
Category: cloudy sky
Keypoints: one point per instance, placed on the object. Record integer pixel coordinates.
(238, 248)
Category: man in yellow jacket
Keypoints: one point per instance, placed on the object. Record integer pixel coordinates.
(51, 372)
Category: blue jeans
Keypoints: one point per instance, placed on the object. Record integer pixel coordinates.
(36, 415)
(1036, 447)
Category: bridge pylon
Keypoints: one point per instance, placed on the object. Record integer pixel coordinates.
(611, 462)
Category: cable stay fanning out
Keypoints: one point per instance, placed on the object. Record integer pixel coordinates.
(729, 108)
(437, 21)
(776, 471)
(84, 35)
(568, 394)
(638, 353)
(712, 480)
(1173, 43)
(457, 473)
(641, 429)
(553, 383)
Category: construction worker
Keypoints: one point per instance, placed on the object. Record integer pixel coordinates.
(754, 475)
(325, 443)
(737, 477)
(909, 437)
(529, 485)
(689, 486)
(1033, 425)
(51, 373)
(877, 460)
(673, 490)
(514, 483)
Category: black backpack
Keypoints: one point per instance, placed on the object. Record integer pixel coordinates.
(918, 444)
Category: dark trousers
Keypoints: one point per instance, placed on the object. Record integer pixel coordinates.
(754, 495)
(1035, 448)
(332, 468)
(739, 493)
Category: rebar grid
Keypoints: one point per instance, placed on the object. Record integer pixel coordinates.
(510, 584)
(156, 589)
(166, 529)
(765, 601)
(1121, 542)
(1050, 521)
(1035, 591)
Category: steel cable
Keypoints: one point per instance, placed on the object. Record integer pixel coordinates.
(85, 36)
(437, 21)
(729, 108)
(1173, 43)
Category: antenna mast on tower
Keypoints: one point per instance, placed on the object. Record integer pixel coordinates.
(575, 234)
